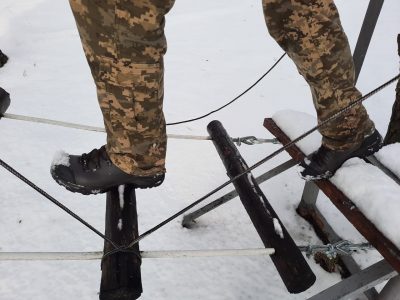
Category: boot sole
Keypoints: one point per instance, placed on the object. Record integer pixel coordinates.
(75, 188)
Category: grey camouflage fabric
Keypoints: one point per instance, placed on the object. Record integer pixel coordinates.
(124, 44)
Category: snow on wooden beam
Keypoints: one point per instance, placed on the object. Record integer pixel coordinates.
(289, 261)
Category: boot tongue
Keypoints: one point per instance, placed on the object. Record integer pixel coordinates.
(93, 159)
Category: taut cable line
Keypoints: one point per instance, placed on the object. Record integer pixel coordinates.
(264, 160)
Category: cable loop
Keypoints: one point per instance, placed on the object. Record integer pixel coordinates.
(252, 140)
(344, 247)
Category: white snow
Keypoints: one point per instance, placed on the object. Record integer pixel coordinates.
(374, 193)
(278, 228)
(216, 50)
(120, 224)
(389, 156)
(60, 158)
(294, 124)
(121, 190)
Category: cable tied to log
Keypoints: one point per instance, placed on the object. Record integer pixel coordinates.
(331, 251)
(248, 140)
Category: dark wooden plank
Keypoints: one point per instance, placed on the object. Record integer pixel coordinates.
(288, 260)
(121, 276)
(388, 250)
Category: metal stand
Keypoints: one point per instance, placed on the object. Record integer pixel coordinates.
(358, 283)
(367, 30)
(189, 219)
(391, 291)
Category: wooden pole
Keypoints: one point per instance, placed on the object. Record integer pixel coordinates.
(393, 132)
(289, 261)
(121, 276)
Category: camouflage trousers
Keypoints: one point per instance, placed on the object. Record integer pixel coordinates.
(311, 34)
(124, 44)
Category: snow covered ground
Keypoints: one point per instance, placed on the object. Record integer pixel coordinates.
(216, 50)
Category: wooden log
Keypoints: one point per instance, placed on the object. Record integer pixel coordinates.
(388, 250)
(121, 276)
(289, 261)
(393, 132)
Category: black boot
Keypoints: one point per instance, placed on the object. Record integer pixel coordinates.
(324, 162)
(95, 173)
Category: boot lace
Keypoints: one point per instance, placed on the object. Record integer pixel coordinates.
(92, 161)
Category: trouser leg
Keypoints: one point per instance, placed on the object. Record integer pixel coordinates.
(311, 33)
(124, 44)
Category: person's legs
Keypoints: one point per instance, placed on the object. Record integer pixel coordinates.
(311, 33)
(124, 44)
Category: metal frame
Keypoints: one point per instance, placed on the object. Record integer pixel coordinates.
(371, 19)
(189, 219)
(358, 282)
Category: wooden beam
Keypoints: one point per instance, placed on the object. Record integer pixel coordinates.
(289, 261)
(388, 250)
(121, 276)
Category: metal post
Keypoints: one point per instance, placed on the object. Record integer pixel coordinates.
(190, 218)
(391, 291)
(367, 30)
(358, 283)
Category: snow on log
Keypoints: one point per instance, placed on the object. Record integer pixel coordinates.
(289, 261)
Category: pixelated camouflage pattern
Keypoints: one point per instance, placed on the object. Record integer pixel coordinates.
(311, 33)
(124, 44)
